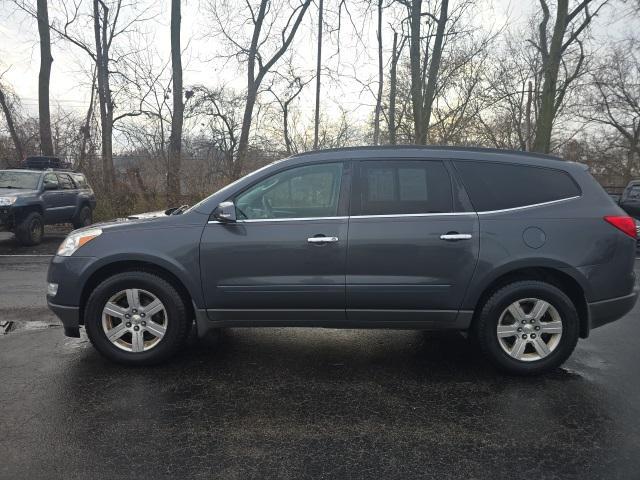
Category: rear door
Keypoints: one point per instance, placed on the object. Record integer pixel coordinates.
(69, 195)
(412, 249)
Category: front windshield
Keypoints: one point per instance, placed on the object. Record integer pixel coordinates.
(23, 180)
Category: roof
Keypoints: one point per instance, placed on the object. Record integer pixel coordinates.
(37, 170)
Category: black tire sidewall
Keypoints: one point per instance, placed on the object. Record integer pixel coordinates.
(176, 328)
(504, 297)
(25, 229)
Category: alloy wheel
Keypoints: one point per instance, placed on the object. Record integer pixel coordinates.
(134, 320)
(529, 329)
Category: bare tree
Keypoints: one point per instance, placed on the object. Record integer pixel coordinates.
(423, 87)
(376, 119)
(552, 51)
(316, 123)
(615, 100)
(393, 86)
(46, 144)
(9, 115)
(175, 140)
(259, 63)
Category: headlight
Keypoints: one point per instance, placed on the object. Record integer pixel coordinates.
(75, 240)
(6, 201)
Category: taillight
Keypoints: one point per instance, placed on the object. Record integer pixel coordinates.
(623, 223)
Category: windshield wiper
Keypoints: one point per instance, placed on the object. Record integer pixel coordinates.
(11, 186)
(180, 209)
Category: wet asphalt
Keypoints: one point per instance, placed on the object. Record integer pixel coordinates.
(308, 403)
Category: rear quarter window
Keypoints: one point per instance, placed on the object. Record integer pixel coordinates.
(80, 180)
(499, 186)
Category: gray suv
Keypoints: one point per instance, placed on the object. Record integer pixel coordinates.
(525, 252)
(29, 199)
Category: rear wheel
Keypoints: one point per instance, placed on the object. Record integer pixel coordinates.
(528, 327)
(31, 229)
(84, 218)
(136, 318)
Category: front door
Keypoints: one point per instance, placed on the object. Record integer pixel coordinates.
(284, 258)
(411, 254)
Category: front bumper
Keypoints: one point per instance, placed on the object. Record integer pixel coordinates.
(70, 317)
(607, 311)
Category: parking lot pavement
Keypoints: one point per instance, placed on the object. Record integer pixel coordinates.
(316, 403)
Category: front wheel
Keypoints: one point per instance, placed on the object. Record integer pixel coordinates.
(528, 327)
(136, 318)
(31, 229)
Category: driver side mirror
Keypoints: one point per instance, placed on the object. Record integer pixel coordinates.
(225, 212)
(50, 186)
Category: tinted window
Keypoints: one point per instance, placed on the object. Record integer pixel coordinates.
(302, 192)
(65, 182)
(496, 186)
(403, 187)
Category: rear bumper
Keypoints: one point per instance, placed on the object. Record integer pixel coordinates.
(607, 311)
(69, 316)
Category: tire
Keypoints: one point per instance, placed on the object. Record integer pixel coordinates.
(124, 349)
(527, 356)
(31, 230)
(84, 218)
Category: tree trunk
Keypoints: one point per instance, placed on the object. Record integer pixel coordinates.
(416, 72)
(528, 117)
(86, 128)
(393, 86)
(550, 66)
(316, 123)
(175, 139)
(243, 143)
(104, 93)
(46, 144)
(376, 120)
(8, 115)
(434, 68)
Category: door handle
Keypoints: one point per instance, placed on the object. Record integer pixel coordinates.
(452, 237)
(321, 240)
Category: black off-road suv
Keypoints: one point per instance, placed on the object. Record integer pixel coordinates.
(38, 195)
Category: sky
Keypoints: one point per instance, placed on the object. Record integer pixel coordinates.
(19, 54)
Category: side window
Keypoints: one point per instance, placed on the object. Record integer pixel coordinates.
(65, 181)
(634, 193)
(80, 180)
(498, 186)
(51, 180)
(403, 187)
(302, 192)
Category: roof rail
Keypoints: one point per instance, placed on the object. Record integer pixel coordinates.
(431, 148)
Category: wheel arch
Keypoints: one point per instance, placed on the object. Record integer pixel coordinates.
(571, 285)
(114, 268)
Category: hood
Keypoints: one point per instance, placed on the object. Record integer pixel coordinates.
(17, 192)
(132, 220)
